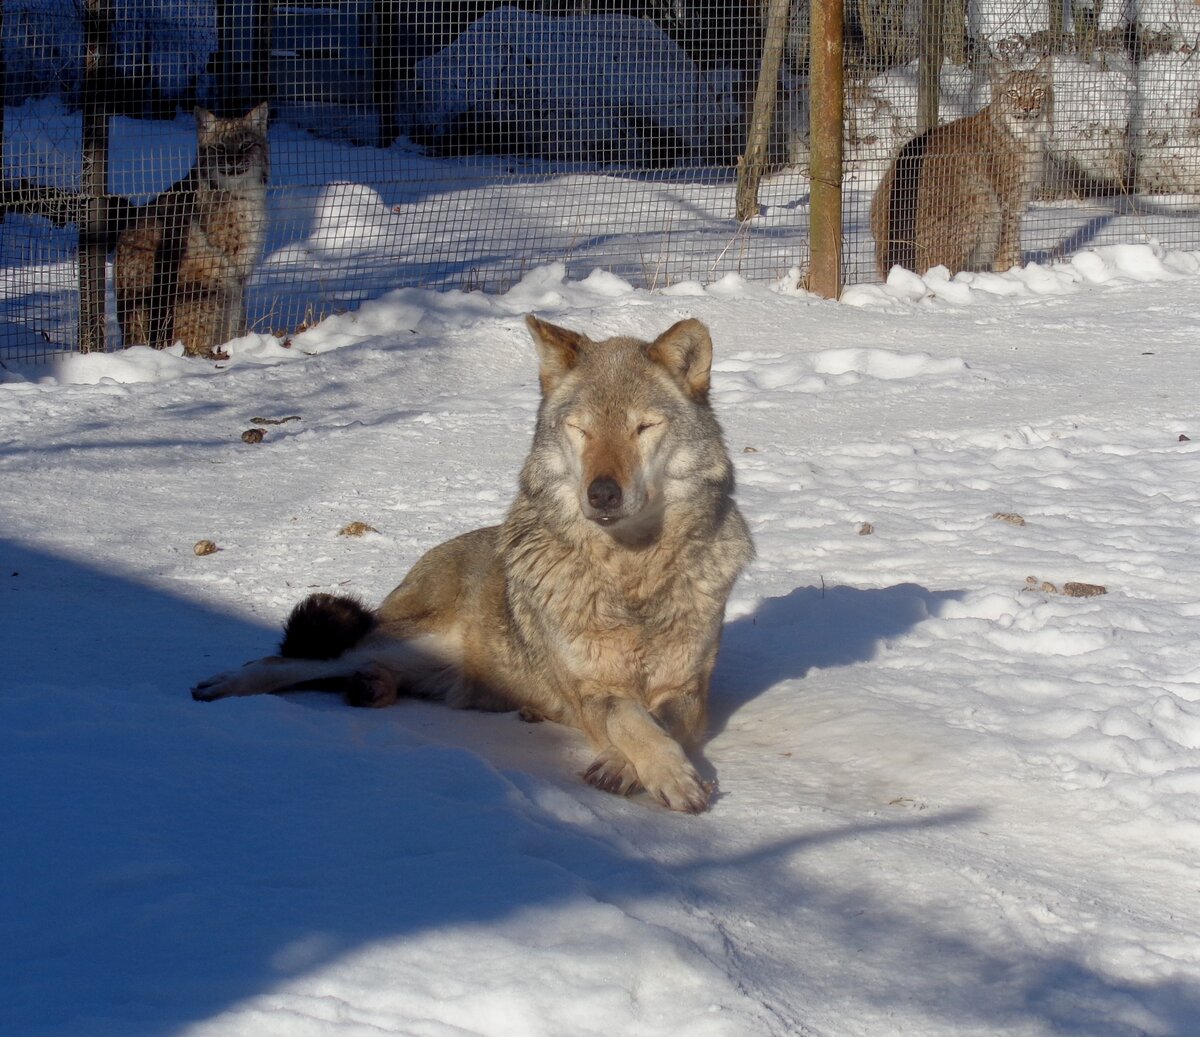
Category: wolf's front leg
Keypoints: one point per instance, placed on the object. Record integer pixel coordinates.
(636, 751)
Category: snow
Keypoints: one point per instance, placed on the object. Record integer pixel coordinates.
(953, 801)
(609, 88)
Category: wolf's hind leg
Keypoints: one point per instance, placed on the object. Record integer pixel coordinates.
(373, 686)
(263, 676)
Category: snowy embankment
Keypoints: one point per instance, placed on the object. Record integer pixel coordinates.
(952, 802)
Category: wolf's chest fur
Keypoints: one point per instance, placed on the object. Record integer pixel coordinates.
(954, 195)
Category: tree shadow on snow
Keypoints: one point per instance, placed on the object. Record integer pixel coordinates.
(168, 860)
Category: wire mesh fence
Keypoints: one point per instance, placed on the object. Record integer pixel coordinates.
(1111, 156)
(458, 144)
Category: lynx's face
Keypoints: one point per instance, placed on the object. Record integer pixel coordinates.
(232, 152)
(1023, 100)
(1026, 105)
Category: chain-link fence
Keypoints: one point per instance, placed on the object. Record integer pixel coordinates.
(457, 144)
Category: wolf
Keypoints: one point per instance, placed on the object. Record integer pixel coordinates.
(598, 601)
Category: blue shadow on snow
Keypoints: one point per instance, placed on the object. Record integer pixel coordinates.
(166, 860)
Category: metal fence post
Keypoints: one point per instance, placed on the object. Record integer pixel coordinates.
(827, 93)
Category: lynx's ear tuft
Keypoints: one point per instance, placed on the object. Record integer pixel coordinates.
(685, 350)
(206, 122)
(558, 349)
(259, 116)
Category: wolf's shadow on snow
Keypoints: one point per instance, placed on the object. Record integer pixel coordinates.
(812, 628)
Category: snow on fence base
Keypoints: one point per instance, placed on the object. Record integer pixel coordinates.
(598, 135)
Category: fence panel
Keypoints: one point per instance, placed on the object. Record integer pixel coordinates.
(456, 144)
(1121, 157)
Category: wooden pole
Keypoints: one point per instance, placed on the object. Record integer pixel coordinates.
(93, 223)
(3, 101)
(241, 65)
(929, 63)
(260, 47)
(827, 101)
(753, 163)
(385, 68)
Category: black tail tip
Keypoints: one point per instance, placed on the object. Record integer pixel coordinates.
(323, 626)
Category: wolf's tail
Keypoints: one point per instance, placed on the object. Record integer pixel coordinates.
(323, 626)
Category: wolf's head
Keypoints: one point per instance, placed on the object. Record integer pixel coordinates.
(625, 430)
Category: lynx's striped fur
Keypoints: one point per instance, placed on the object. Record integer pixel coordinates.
(954, 195)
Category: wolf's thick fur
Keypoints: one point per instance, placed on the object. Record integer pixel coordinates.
(954, 195)
(597, 603)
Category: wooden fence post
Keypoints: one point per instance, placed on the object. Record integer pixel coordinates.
(3, 101)
(753, 163)
(929, 62)
(241, 64)
(827, 102)
(93, 185)
(385, 70)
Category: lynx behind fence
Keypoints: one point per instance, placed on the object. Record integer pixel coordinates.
(459, 145)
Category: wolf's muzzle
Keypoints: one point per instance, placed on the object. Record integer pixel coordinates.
(604, 498)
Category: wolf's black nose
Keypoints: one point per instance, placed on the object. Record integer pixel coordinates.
(604, 494)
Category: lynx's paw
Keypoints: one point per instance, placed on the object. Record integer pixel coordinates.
(611, 771)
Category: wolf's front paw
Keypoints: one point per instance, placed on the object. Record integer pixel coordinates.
(677, 786)
(220, 686)
(611, 771)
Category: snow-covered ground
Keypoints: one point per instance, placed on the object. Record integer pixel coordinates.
(952, 801)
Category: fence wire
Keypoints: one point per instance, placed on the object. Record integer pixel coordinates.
(458, 144)
(1121, 156)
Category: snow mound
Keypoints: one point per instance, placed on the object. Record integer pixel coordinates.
(1105, 264)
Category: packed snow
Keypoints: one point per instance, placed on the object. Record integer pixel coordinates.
(954, 798)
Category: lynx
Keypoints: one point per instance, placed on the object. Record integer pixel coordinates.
(182, 265)
(954, 195)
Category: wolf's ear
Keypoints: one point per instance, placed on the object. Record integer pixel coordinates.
(558, 350)
(685, 350)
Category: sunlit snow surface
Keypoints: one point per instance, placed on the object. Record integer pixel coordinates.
(952, 802)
